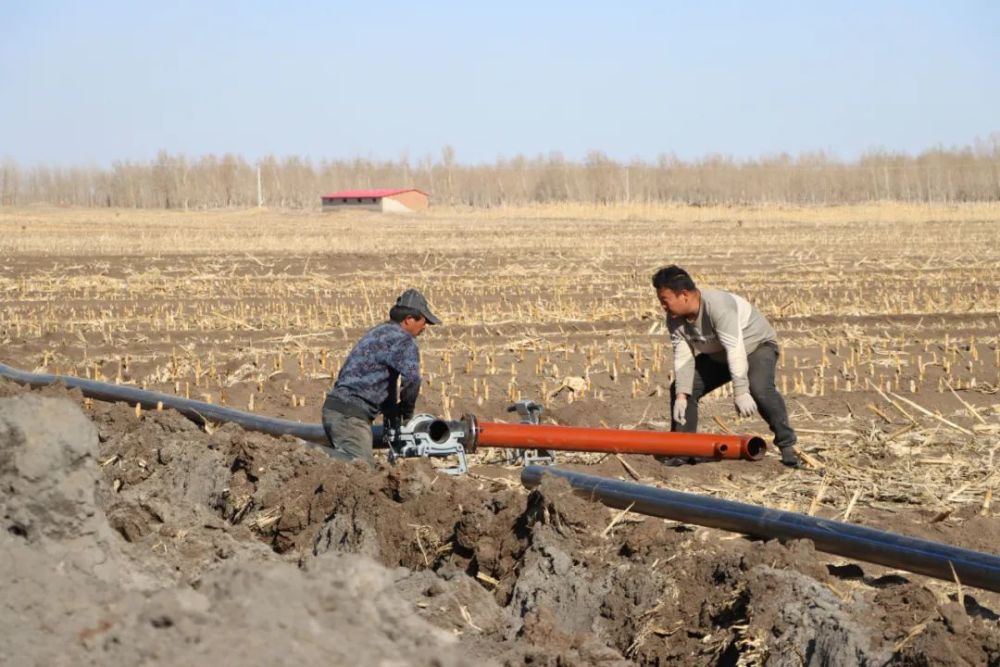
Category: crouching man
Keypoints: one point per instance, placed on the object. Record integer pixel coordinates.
(719, 337)
(366, 384)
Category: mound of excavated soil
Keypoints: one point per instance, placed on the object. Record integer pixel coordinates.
(134, 540)
(74, 592)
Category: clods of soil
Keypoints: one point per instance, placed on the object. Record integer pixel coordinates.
(143, 539)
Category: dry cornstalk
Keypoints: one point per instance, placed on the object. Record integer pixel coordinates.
(850, 505)
(958, 586)
(616, 520)
(892, 402)
(818, 498)
(629, 469)
(874, 408)
(968, 407)
(722, 424)
(927, 412)
(487, 579)
(814, 431)
(811, 461)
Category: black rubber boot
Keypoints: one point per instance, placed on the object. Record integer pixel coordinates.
(789, 457)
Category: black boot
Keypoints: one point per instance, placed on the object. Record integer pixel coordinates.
(789, 457)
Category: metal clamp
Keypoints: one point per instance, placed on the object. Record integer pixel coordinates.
(530, 412)
(427, 436)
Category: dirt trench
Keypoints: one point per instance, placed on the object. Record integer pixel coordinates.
(213, 535)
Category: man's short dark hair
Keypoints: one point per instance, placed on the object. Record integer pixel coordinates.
(673, 278)
(399, 313)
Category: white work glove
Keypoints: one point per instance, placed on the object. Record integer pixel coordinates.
(745, 405)
(680, 409)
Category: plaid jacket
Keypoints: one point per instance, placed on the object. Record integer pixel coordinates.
(366, 384)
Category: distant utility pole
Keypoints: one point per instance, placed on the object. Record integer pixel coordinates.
(628, 188)
(260, 191)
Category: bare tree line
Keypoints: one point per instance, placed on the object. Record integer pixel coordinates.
(178, 182)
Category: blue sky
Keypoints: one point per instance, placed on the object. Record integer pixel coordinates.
(92, 82)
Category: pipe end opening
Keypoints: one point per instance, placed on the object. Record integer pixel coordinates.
(755, 448)
(439, 431)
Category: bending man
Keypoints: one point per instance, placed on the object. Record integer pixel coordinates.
(719, 337)
(366, 384)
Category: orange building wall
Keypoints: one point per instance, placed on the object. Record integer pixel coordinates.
(411, 200)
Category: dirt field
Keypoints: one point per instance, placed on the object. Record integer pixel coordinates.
(234, 546)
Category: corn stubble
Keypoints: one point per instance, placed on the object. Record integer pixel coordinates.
(888, 317)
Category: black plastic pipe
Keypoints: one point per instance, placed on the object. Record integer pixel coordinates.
(972, 568)
(198, 411)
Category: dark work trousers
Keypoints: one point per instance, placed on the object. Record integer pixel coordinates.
(710, 374)
(350, 436)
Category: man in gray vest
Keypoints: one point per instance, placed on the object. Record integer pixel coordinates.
(719, 337)
(366, 384)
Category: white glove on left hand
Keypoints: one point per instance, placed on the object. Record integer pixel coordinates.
(745, 405)
(680, 409)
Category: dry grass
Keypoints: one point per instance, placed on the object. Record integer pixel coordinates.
(47, 231)
(873, 304)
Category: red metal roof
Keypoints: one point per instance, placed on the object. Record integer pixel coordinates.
(380, 192)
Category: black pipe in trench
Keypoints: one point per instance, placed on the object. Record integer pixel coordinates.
(942, 561)
(934, 559)
(198, 411)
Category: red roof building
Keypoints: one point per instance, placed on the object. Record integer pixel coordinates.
(387, 200)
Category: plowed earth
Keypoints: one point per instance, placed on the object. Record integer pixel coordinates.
(145, 538)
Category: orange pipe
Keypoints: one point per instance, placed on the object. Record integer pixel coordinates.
(617, 441)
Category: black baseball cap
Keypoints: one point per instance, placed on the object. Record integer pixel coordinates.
(414, 300)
